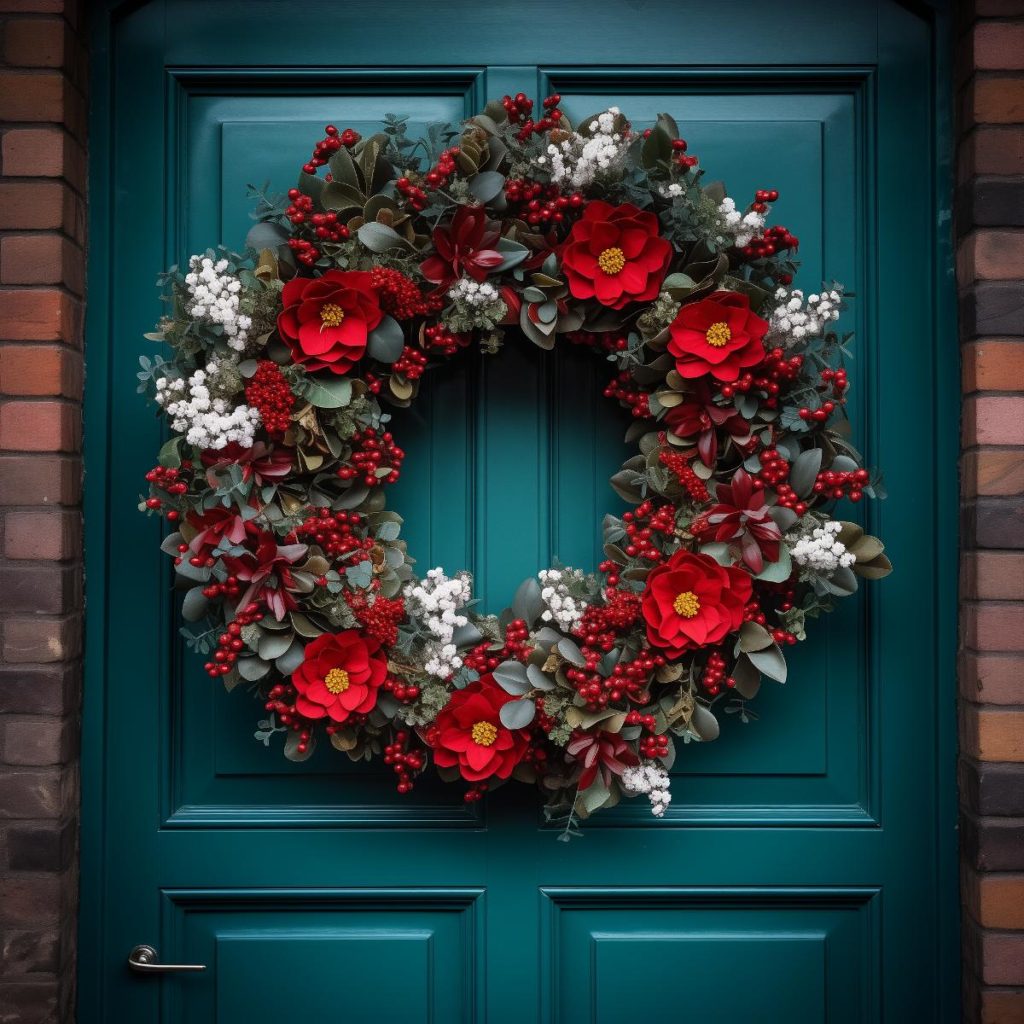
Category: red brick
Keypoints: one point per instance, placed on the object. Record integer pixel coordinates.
(39, 480)
(49, 588)
(993, 471)
(40, 314)
(44, 153)
(45, 535)
(40, 426)
(994, 626)
(993, 365)
(39, 689)
(997, 901)
(35, 640)
(34, 952)
(993, 575)
(1002, 958)
(40, 370)
(33, 6)
(992, 151)
(42, 259)
(999, 46)
(28, 205)
(31, 1002)
(30, 793)
(992, 8)
(992, 678)
(35, 42)
(991, 255)
(1002, 1006)
(32, 95)
(996, 100)
(34, 742)
(993, 420)
(992, 735)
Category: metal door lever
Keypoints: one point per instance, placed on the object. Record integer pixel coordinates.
(146, 960)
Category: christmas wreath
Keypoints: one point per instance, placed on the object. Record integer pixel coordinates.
(514, 230)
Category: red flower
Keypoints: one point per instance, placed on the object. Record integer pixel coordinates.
(718, 335)
(325, 320)
(213, 525)
(469, 733)
(742, 514)
(601, 751)
(257, 463)
(267, 571)
(700, 417)
(466, 246)
(692, 601)
(615, 254)
(340, 676)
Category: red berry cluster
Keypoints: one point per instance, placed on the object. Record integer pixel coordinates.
(679, 466)
(411, 364)
(538, 203)
(641, 526)
(305, 251)
(774, 468)
(372, 454)
(438, 338)
(628, 680)
(166, 478)
(398, 689)
(601, 624)
(754, 613)
(441, 173)
(400, 296)
(653, 747)
(837, 483)
(714, 675)
(838, 381)
(762, 197)
(684, 161)
(819, 415)
(486, 658)
(271, 395)
(405, 763)
(768, 376)
(301, 206)
(414, 195)
(775, 239)
(788, 498)
(331, 143)
(379, 619)
(337, 534)
(520, 107)
(230, 642)
(623, 388)
(327, 227)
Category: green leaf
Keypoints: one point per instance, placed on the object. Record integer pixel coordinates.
(273, 645)
(170, 453)
(193, 608)
(386, 341)
(511, 676)
(539, 680)
(527, 603)
(291, 746)
(704, 723)
(328, 392)
(568, 650)
(343, 170)
(657, 148)
(514, 253)
(517, 714)
(288, 662)
(379, 237)
(595, 795)
(753, 637)
(310, 185)
(777, 572)
(265, 235)
(252, 669)
(388, 531)
(770, 661)
(805, 471)
(486, 185)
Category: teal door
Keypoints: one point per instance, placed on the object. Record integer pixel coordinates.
(806, 869)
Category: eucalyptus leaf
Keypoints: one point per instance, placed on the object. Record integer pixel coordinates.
(292, 658)
(379, 237)
(328, 392)
(539, 680)
(386, 341)
(512, 677)
(193, 608)
(517, 714)
(770, 661)
(486, 185)
(804, 471)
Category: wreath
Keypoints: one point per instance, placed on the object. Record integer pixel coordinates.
(505, 230)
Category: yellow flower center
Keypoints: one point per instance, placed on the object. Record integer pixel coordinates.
(337, 681)
(611, 261)
(484, 734)
(718, 334)
(331, 314)
(687, 604)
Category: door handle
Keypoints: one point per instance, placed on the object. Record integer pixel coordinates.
(146, 960)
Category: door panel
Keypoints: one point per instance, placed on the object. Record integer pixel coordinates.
(799, 846)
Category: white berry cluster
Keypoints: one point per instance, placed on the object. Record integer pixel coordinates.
(563, 609)
(205, 421)
(435, 601)
(215, 298)
(651, 780)
(798, 320)
(672, 190)
(476, 293)
(742, 228)
(579, 159)
(820, 550)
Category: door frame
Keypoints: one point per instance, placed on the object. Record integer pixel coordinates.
(99, 397)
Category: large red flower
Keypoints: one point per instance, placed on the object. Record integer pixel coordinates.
(466, 246)
(340, 676)
(692, 601)
(615, 254)
(468, 733)
(325, 320)
(718, 335)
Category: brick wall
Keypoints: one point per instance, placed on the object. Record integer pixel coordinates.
(42, 284)
(990, 270)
